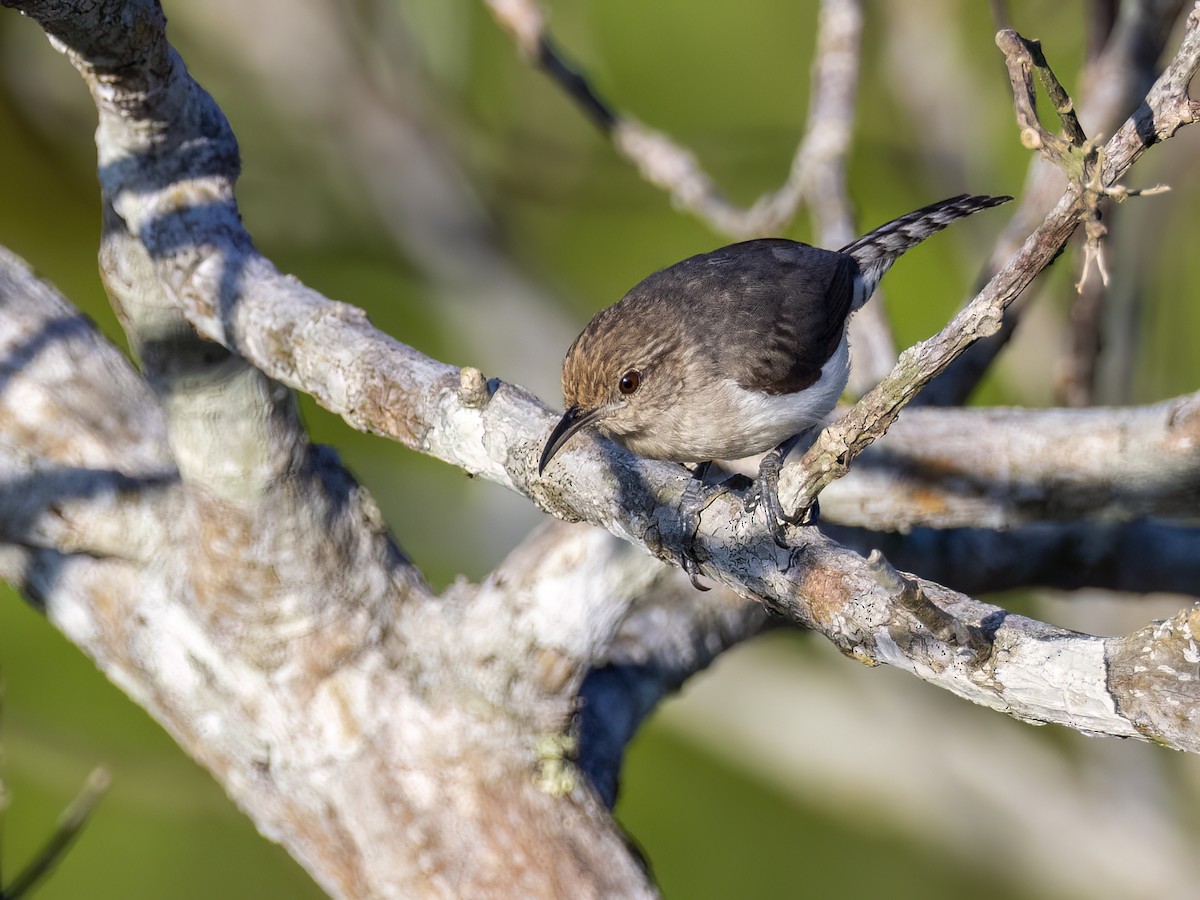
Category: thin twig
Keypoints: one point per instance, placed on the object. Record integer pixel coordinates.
(575, 84)
(1023, 58)
(1166, 109)
(668, 165)
(70, 823)
(1114, 84)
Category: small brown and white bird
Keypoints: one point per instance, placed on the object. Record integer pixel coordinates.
(733, 352)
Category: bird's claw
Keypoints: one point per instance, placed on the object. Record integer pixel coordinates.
(777, 519)
(691, 566)
(766, 492)
(693, 502)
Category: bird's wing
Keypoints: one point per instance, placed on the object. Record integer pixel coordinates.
(783, 312)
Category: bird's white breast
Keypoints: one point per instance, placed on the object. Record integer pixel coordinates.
(738, 422)
(769, 419)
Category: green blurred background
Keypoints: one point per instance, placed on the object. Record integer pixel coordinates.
(401, 157)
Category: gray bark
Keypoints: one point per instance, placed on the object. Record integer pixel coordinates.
(234, 580)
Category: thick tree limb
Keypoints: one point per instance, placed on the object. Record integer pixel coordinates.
(997, 468)
(369, 726)
(1140, 556)
(267, 632)
(298, 337)
(84, 461)
(295, 691)
(562, 593)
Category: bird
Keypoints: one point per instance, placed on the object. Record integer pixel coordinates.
(736, 351)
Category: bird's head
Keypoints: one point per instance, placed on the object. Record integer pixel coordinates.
(617, 377)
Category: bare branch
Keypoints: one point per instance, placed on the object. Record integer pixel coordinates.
(563, 593)
(1075, 155)
(837, 446)
(397, 795)
(1139, 556)
(818, 169)
(1166, 109)
(1167, 106)
(998, 468)
(84, 458)
(65, 390)
(668, 165)
(819, 173)
(671, 634)
(415, 745)
(328, 349)
(274, 598)
(1113, 86)
(1024, 58)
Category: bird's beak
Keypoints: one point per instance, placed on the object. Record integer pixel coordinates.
(573, 419)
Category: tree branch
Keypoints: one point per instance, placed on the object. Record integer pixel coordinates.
(306, 713)
(674, 168)
(1113, 85)
(386, 735)
(669, 636)
(998, 468)
(84, 461)
(297, 337)
(1166, 109)
(1140, 556)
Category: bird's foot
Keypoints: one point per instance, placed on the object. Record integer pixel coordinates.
(690, 565)
(766, 492)
(696, 497)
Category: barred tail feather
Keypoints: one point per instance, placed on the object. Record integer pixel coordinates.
(877, 250)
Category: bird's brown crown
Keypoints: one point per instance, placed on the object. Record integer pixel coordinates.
(630, 338)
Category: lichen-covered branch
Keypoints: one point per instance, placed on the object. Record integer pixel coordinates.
(261, 612)
(397, 742)
(84, 461)
(999, 468)
(1166, 109)
(1114, 83)
(296, 336)
(294, 680)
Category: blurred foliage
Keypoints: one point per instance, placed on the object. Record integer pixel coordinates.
(731, 83)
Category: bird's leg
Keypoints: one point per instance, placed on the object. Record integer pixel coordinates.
(695, 498)
(766, 492)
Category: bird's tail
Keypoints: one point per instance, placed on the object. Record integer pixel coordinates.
(877, 250)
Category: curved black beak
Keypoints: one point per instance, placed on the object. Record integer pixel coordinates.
(573, 419)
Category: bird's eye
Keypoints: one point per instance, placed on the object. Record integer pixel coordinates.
(630, 382)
